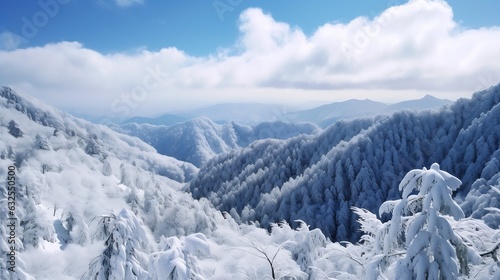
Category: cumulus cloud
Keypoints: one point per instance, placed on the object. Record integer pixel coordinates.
(412, 48)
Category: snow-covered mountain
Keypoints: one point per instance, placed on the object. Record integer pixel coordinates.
(425, 103)
(254, 113)
(249, 114)
(198, 140)
(242, 113)
(337, 110)
(90, 203)
(326, 115)
(318, 178)
(94, 140)
(166, 119)
(85, 202)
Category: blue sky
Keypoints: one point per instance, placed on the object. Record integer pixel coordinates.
(197, 27)
(145, 57)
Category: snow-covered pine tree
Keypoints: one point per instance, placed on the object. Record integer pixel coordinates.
(304, 244)
(124, 256)
(77, 228)
(179, 260)
(420, 229)
(35, 227)
(14, 129)
(42, 143)
(107, 170)
(93, 147)
(125, 176)
(133, 199)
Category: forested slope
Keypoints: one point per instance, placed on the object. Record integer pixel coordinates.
(90, 203)
(84, 190)
(198, 140)
(317, 178)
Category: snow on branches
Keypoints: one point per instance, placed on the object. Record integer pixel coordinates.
(419, 235)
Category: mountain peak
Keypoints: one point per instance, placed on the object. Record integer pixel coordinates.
(429, 97)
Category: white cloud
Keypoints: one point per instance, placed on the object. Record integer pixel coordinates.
(406, 51)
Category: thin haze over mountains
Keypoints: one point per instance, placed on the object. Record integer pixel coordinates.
(254, 113)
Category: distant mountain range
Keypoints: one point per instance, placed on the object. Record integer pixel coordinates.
(200, 139)
(327, 114)
(197, 136)
(323, 116)
(242, 113)
(424, 103)
(167, 119)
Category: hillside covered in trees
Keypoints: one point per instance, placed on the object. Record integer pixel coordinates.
(200, 139)
(359, 163)
(128, 212)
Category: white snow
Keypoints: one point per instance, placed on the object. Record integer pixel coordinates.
(91, 200)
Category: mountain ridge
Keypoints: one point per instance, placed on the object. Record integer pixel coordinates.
(352, 163)
(199, 139)
(327, 114)
(323, 115)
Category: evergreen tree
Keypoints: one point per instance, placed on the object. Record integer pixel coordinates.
(179, 260)
(107, 170)
(93, 147)
(125, 176)
(420, 229)
(124, 256)
(77, 228)
(42, 143)
(36, 227)
(14, 129)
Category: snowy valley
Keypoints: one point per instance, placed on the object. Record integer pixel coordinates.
(200, 139)
(404, 195)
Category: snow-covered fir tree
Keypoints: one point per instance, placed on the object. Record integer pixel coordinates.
(14, 129)
(125, 253)
(179, 258)
(419, 235)
(42, 143)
